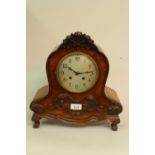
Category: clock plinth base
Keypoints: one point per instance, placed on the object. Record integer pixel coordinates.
(74, 117)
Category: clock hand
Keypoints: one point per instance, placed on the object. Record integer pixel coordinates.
(85, 72)
(69, 68)
(88, 72)
(76, 72)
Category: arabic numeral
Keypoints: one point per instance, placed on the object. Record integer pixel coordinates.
(77, 58)
(64, 65)
(70, 84)
(89, 66)
(64, 79)
(76, 86)
(93, 72)
(62, 72)
(70, 60)
(84, 84)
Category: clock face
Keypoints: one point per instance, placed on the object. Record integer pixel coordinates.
(77, 72)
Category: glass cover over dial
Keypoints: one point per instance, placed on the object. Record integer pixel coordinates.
(77, 72)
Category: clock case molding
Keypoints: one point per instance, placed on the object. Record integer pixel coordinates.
(99, 103)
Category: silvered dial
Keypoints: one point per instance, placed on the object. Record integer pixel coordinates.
(77, 72)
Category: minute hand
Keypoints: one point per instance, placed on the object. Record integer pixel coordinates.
(86, 72)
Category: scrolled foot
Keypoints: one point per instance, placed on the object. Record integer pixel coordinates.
(36, 124)
(114, 127)
(35, 119)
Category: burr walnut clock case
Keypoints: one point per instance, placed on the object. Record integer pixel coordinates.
(76, 93)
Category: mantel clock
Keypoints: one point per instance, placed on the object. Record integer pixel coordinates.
(76, 93)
